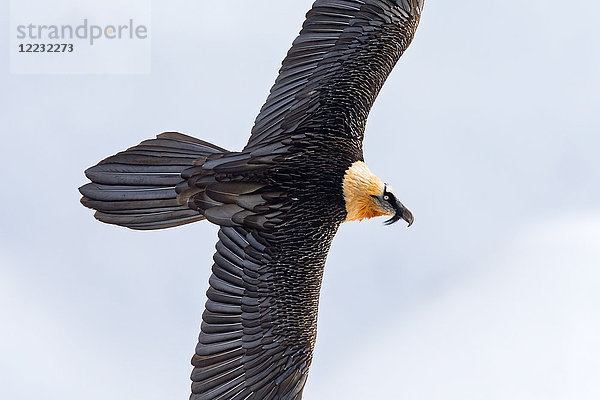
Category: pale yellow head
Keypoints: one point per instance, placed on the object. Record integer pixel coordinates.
(367, 196)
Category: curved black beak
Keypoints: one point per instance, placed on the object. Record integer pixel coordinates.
(401, 213)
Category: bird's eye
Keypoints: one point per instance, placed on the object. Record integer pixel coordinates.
(386, 197)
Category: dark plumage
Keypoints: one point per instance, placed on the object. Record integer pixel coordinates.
(279, 201)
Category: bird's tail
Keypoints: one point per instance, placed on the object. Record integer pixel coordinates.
(136, 188)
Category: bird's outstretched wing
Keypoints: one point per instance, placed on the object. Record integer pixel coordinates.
(259, 326)
(336, 67)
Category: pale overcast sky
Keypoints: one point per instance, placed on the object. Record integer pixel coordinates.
(488, 129)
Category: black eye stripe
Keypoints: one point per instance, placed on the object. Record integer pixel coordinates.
(390, 196)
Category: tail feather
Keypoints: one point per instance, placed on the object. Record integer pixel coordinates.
(123, 174)
(136, 188)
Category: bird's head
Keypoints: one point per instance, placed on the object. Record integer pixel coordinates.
(367, 196)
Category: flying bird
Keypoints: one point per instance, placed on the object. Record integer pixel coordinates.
(278, 202)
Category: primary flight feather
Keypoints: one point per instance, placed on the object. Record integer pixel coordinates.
(278, 202)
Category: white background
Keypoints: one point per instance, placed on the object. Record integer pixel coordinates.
(105, 56)
(488, 129)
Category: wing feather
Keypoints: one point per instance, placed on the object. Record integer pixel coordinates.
(238, 354)
(336, 66)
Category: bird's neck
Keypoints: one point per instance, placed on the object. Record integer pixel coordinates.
(359, 185)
